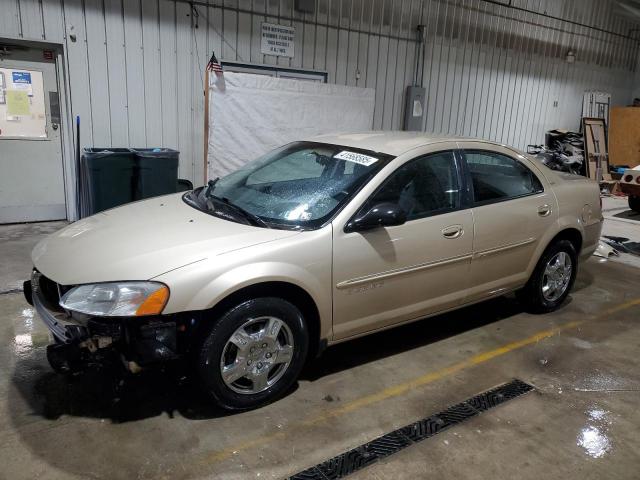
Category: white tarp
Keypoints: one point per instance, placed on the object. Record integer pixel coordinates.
(252, 114)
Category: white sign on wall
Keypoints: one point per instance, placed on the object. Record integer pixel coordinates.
(277, 40)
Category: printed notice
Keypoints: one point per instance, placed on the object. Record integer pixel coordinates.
(277, 40)
(356, 158)
(18, 103)
(22, 81)
(417, 108)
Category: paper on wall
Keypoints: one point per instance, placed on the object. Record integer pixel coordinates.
(22, 81)
(18, 103)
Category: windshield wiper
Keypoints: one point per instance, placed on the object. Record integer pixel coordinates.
(245, 213)
(210, 185)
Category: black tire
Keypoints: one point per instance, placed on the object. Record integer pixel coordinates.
(209, 355)
(634, 203)
(532, 296)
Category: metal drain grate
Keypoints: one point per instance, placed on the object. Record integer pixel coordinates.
(358, 458)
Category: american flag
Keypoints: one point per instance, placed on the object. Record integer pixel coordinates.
(214, 66)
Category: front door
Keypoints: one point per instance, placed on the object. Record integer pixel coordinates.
(394, 274)
(31, 178)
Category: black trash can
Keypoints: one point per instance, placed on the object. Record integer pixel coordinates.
(157, 172)
(108, 178)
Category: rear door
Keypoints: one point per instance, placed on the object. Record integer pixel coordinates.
(513, 207)
(31, 183)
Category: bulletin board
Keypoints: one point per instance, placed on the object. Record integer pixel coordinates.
(249, 115)
(22, 105)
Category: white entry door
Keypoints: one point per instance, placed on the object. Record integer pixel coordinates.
(31, 174)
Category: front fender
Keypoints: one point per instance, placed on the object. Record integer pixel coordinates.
(202, 285)
(251, 274)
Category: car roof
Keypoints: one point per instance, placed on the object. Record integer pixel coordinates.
(390, 142)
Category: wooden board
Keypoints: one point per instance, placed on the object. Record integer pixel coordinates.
(595, 147)
(205, 164)
(624, 136)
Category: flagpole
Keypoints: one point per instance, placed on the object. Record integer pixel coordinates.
(206, 127)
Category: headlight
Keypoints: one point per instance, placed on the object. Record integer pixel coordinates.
(117, 299)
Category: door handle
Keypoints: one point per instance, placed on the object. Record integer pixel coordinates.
(544, 210)
(452, 231)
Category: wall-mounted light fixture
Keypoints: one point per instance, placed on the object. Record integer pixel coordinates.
(571, 56)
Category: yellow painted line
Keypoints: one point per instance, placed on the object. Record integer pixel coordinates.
(403, 388)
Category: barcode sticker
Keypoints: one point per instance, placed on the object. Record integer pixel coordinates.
(358, 158)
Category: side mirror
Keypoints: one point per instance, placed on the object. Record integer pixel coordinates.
(380, 215)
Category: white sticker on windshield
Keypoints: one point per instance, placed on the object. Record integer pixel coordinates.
(356, 158)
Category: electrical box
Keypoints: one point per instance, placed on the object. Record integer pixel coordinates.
(305, 6)
(415, 107)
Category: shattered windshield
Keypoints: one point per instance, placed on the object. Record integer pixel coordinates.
(300, 185)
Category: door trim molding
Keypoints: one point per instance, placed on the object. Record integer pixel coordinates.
(503, 248)
(401, 271)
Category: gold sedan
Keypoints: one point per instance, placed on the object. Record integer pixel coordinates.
(315, 243)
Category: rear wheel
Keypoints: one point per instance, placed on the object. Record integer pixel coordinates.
(552, 278)
(634, 203)
(253, 353)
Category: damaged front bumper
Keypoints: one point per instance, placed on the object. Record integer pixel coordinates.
(81, 339)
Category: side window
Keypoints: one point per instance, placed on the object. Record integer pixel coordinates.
(422, 187)
(499, 177)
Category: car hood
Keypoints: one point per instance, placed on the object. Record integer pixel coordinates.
(142, 240)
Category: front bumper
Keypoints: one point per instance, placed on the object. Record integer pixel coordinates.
(58, 324)
(143, 340)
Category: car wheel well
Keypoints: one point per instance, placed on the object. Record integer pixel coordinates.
(571, 234)
(286, 291)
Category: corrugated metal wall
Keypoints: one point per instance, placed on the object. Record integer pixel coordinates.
(135, 67)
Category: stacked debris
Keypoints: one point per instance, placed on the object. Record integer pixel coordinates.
(563, 151)
(623, 244)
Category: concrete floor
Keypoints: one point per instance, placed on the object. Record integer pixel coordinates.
(16, 243)
(580, 422)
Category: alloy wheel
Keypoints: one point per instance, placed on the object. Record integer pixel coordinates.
(556, 276)
(257, 355)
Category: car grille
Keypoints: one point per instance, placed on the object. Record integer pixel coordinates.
(46, 299)
(48, 290)
(58, 328)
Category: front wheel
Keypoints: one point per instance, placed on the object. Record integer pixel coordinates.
(253, 353)
(634, 203)
(552, 278)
